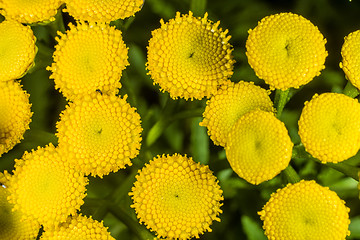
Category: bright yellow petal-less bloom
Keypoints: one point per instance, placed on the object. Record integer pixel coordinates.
(33, 11)
(17, 50)
(176, 197)
(258, 146)
(102, 11)
(101, 134)
(350, 53)
(12, 226)
(329, 127)
(189, 57)
(286, 50)
(229, 103)
(15, 114)
(78, 228)
(44, 187)
(87, 58)
(305, 210)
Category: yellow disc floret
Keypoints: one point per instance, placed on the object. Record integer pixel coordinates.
(350, 53)
(258, 146)
(286, 50)
(78, 227)
(44, 186)
(17, 50)
(87, 58)
(102, 11)
(329, 127)
(15, 114)
(189, 56)
(229, 103)
(12, 226)
(30, 11)
(305, 210)
(101, 132)
(176, 197)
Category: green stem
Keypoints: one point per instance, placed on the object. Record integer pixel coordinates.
(281, 98)
(291, 175)
(350, 90)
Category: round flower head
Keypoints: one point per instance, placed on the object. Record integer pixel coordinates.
(229, 103)
(30, 11)
(102, 11)
(101, 132)
(15, 114)
(176, 197)
(45, 187)
(12, 226)
(286, 50)
(258, 146)
(350, 52)
(189, 57)
(329, 127)
(17, 50)
(87, 58)
(78, 227)
(305, 210)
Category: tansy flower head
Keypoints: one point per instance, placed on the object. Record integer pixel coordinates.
(286, 50)
(350, 53)
(229, 103)
(176, 197)
(45, 187)
(101, 132)
(78, 227)
(189, 57)
(305, 210)
(17, 50)
(87, 58)
(102, 11)
(12, 226)
(258, 146)
(30, 11)
(329, 127)
(15, 114)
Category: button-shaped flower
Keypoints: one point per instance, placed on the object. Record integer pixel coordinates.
(305, 210)
(44, 186)
(17, 50)
(102, 11)
(189, 57)
(176, 197)
(15, 114)
(286, 50)
(258, 146)
(87, 58)
(228, 104)
(329, 127)
(100, 132)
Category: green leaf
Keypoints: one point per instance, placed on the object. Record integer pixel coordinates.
(252, 229)
(199, 142)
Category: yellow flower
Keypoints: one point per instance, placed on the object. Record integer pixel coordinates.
(80, 228)
(101, 134)
(17, 50)
(12, 227)
(329, 127)
(87, 58)
(286, 50)
(189, 57)
(228, 104)
(305, 210)
(350, 53)
(44, 187)
(258, 146)
(15, 114)
(102, 11)
(30, 11)
(176, 197)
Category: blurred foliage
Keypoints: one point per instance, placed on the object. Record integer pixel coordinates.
(172, 125)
